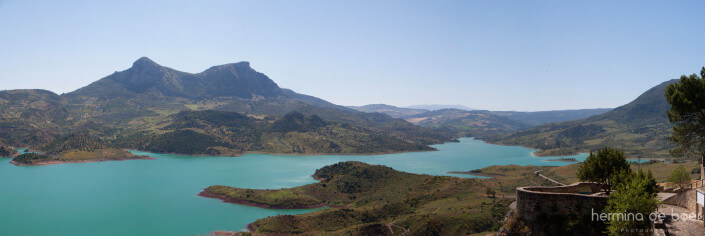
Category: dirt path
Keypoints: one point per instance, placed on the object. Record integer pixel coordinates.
(538, 172)
(680, 227)
(404, 231)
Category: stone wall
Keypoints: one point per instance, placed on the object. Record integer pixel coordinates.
(579, 198)
(685, 199)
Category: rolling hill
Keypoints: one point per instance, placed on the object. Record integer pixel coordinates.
(229, 133)
(433, 107)
(544, 117)
(375, 200)
(478, 123)
(640, 127)
(396, 112)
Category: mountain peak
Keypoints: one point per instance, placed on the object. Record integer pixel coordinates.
(145, 62)
(231, 66)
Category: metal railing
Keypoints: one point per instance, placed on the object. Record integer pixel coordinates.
(694, 185)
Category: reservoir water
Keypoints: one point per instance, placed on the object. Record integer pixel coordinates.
(159, 197)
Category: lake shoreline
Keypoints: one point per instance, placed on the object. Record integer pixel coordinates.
(58, 162)
(564, 160)
(535, 152)
(287, 154)
(481, 174)
(207, 194)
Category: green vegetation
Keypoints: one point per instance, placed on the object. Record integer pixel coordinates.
(661, 170)
(231, 133)
(371, 199)
(640, 128)
(82, 147)
(30, 116)
(636, 195)
(396, 112)
(464, 123)
(6, 151)
(603, 166)
(81, 141)
(680, 177)
(686, 114)
(545, 117)
(297, 122)
(31, 158)
(285, 198)
(514, 117)
(184, 142)
(503, 171)
(365, 198)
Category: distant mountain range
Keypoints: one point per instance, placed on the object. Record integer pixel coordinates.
(478, 123)
(640, 127)
(544, 117)
(147, 101)
(433, 107)
(396, 112)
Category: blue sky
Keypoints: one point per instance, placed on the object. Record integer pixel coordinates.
(498, 55)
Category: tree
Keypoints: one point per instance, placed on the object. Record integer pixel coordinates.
(602, 166)
(687, 113)
(631, 204)
(490, 192)
(680, 177)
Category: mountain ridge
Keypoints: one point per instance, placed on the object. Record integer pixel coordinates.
(146, 95)
(477, 123)
(640, 127)
(147, 77)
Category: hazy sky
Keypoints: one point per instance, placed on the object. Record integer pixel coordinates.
(499, 55)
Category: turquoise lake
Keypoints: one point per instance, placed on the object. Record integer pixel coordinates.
(159, 197)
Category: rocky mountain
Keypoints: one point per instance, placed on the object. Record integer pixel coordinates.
(147, 95)
(145, 77)
(640, 127)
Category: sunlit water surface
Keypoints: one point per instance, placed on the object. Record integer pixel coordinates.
(159, 197)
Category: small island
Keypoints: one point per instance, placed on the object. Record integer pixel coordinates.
(74, 148)
(564, 159)
(496, 171)
(272, 199)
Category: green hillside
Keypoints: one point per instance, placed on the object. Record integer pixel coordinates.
(640, 128)
(82, 147)
(230, 133)
(478, 123)
(371, 199)
(464, 123)
(544, 117)
(396, 112)
(31, 116)
(31, 159)
(6, 151)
